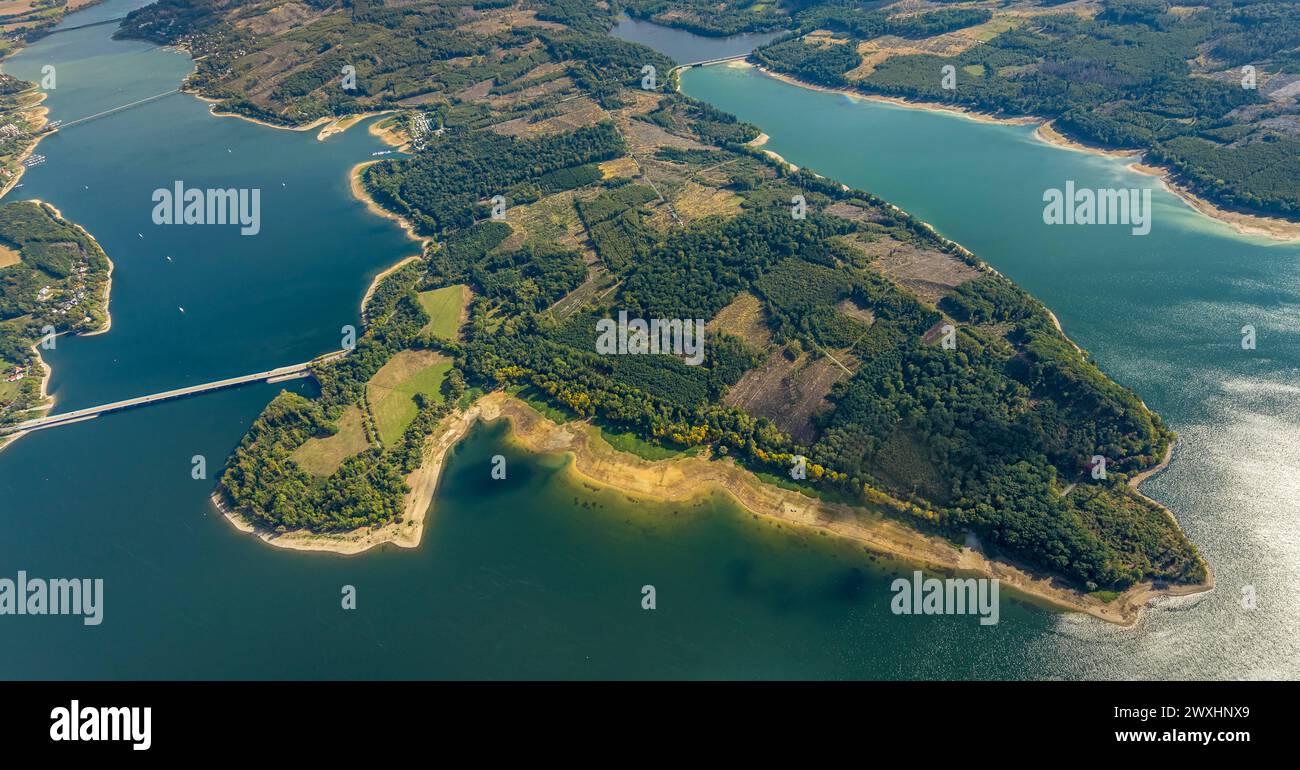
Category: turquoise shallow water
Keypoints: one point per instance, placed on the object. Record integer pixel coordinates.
(539, 576)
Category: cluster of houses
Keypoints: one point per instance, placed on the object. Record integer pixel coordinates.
(9, 131)
(75, 295)
(17, 374)
(421, 130)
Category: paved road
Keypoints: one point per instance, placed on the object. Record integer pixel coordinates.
(77, 415)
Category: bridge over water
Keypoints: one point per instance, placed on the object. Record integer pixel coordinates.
(88, 24)
(89, 413)
(707, 62)
(105, 113)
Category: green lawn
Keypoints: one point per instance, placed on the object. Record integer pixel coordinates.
(322, 456)
(537, 400)
(8, 390)
(392, 390)
(631, 443)
(444, 308)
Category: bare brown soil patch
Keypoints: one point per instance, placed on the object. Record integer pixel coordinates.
(931, 274)
(281, 18)
(694, 201)
(851, 309)
(619, 167)
(850, 211)
(8, 256)
(552, 220)
(475, 92)
(645, 138)
(577, 113)
(492, 21)
(789, 392)
(746, 318)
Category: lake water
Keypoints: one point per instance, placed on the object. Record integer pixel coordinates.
(682, 46)
(540, 576)
(1161, 313)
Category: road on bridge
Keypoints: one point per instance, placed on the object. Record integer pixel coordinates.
(77, 415)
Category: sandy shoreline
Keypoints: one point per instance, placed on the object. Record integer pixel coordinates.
(216, 113)
(374, 283)
(339, 125)
(360, 193)
(1243, 223)
(759, 143)
(329, 126)
(405, 533)
(687, 478)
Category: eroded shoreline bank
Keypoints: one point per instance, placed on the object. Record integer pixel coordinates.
(685, 478)
(688, 478)
(407, 532)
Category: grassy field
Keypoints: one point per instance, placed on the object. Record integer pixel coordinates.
(444, 307)
(392, 390)
(625, 441)
(322, 456)
(8, 390)
(8, 256)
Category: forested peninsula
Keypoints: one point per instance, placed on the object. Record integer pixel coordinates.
(553, 191)
(1204, 88)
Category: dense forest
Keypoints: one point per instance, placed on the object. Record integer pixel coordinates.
(1140, 74)
(959, 409)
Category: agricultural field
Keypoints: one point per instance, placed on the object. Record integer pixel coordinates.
(391, 393)
(446, 309)
(322, 456)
